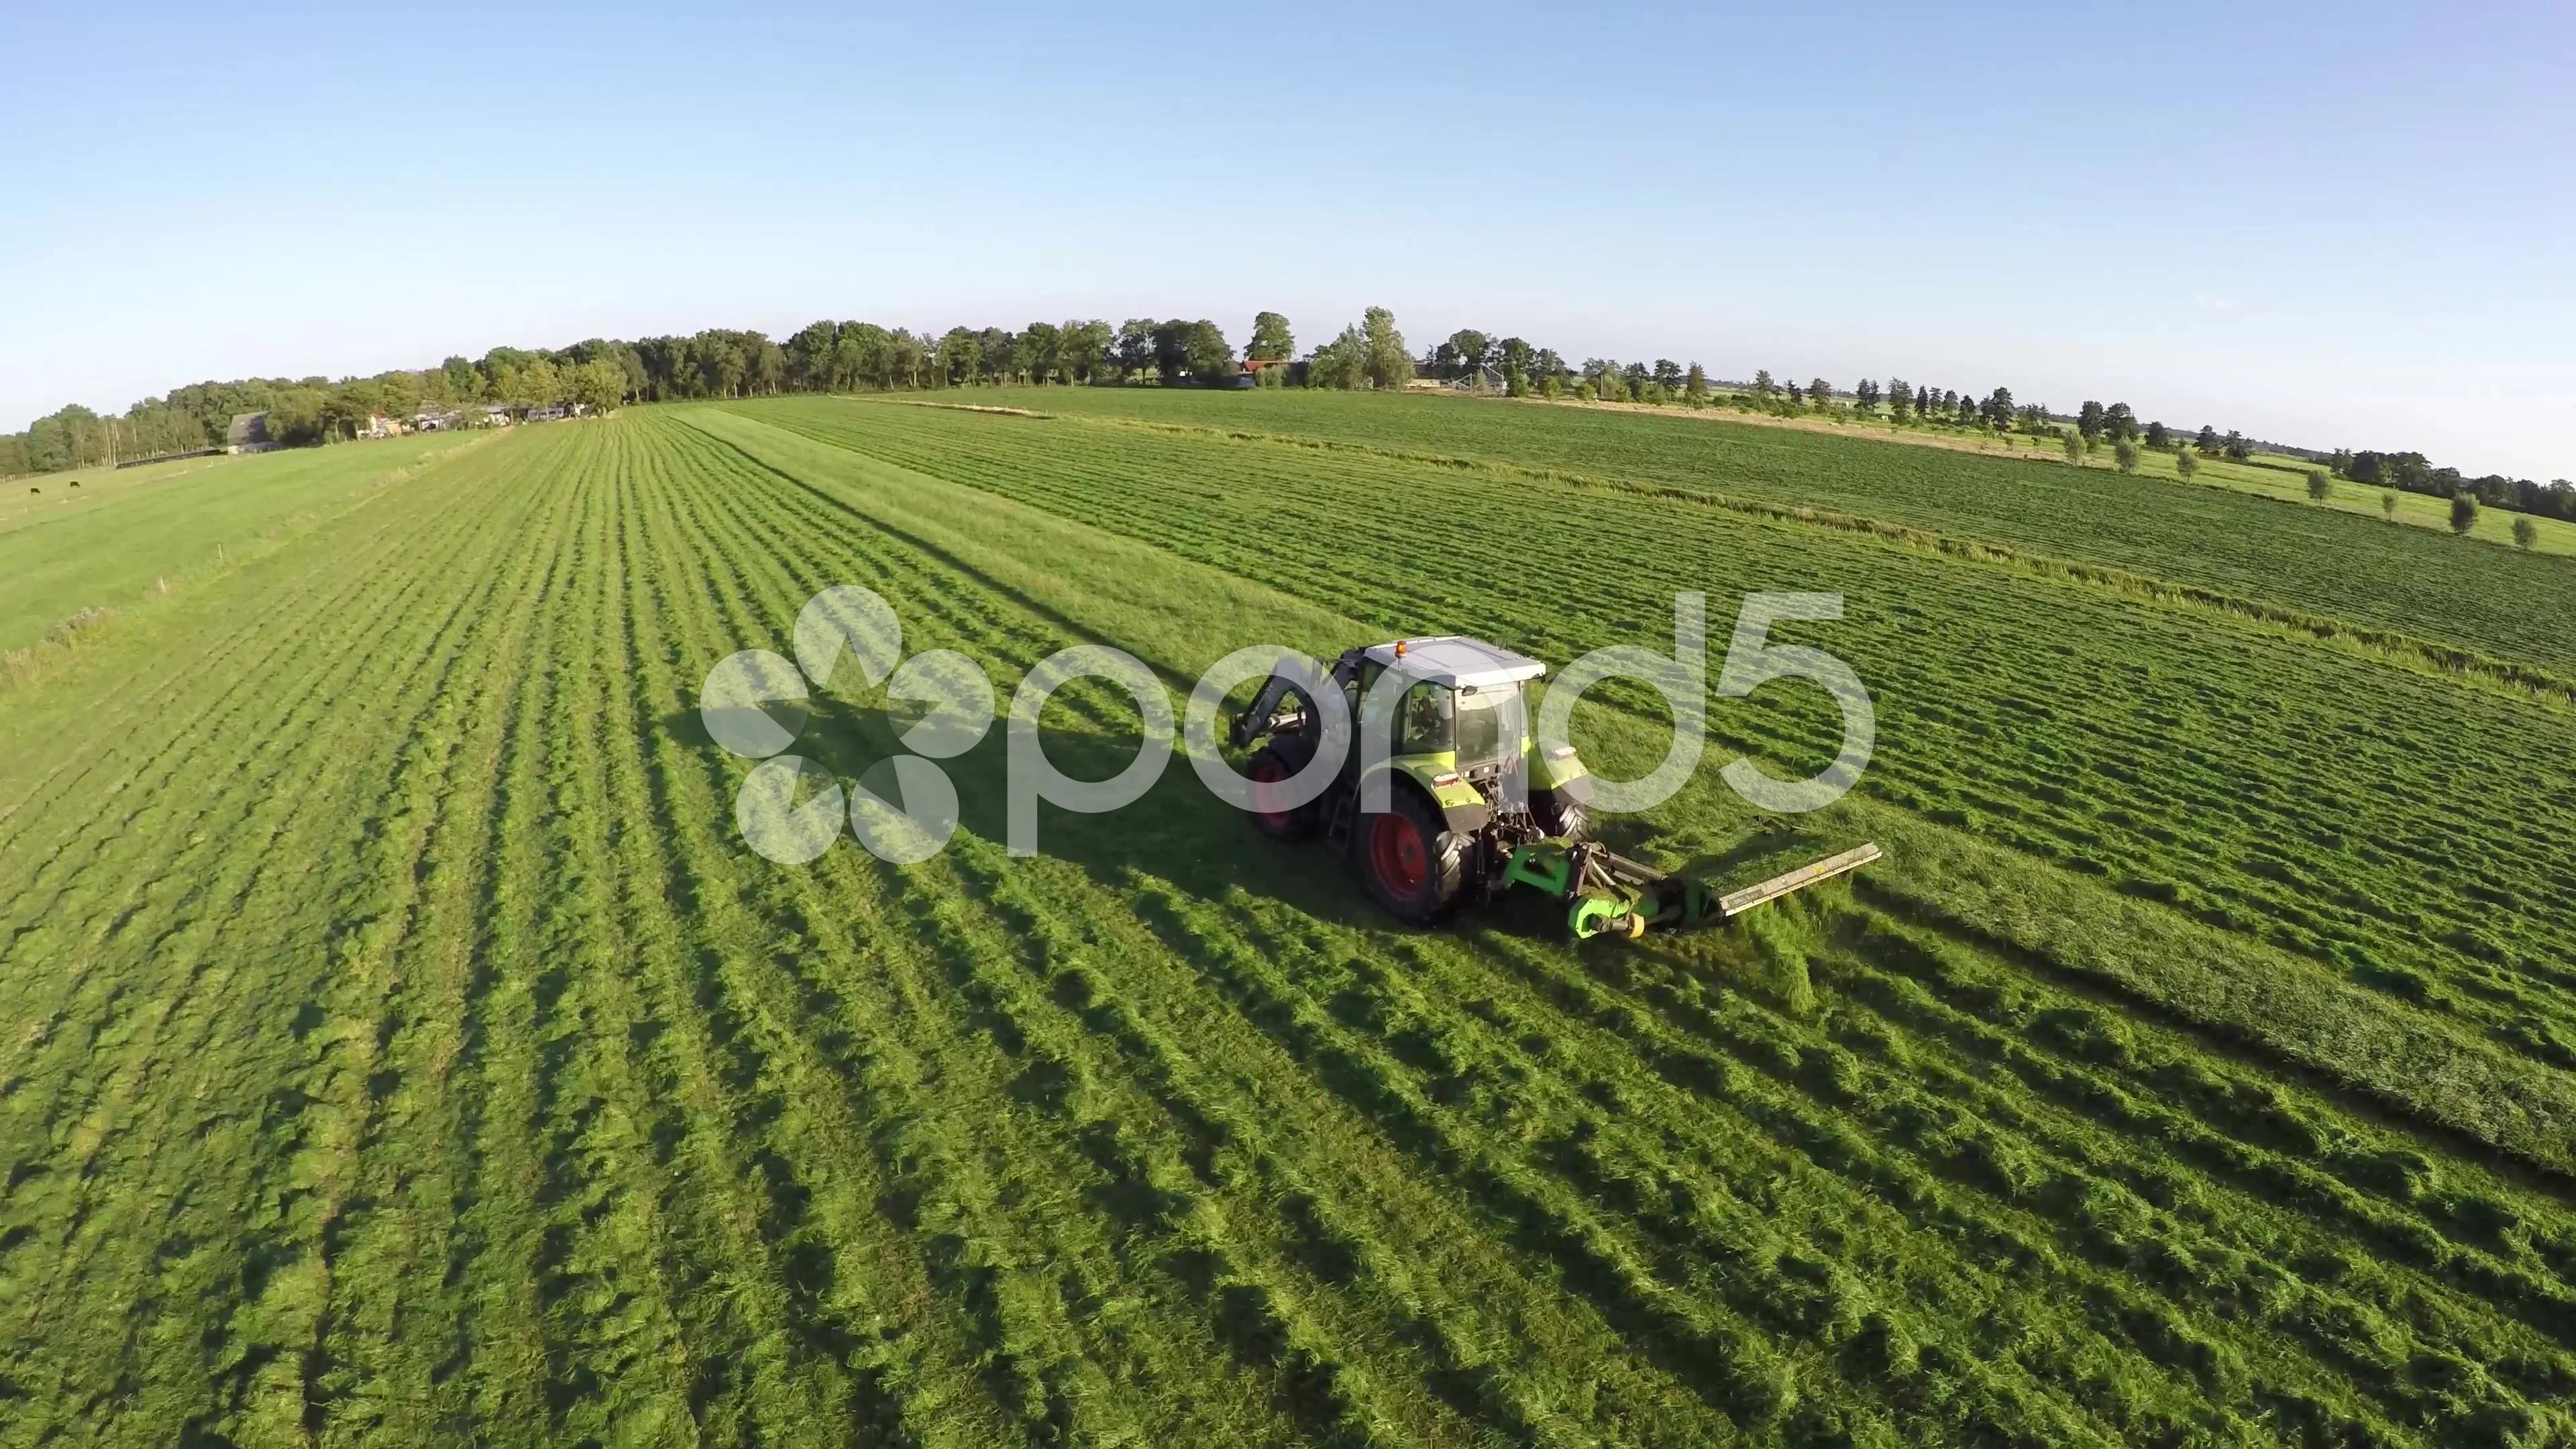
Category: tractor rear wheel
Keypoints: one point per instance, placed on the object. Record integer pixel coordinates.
(1560, 814)
(1410, 858)
(1267, 769)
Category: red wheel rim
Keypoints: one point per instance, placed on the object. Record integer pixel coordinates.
(1266, 775)
(1395, 848)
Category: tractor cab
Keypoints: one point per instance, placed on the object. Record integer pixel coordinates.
(1461, 705)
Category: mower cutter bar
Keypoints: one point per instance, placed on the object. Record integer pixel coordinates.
(1736, 903)
(1611, 894)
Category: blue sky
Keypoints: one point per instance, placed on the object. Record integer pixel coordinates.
(2335, 225)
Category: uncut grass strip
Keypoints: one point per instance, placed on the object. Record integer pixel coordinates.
(2308, 1020)
(220, 644)
(305, 709)
(196, 1060)
(190, 750)
(147, 856)
(2208, 1251)
(112, 700)
(2346, 1176)
(961, 1068)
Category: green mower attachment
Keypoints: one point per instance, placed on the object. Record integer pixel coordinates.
(1607, 893)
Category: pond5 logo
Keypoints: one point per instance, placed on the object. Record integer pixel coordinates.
(790, 809)
(904, 808)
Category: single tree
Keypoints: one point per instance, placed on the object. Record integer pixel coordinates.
(1389, 365)
(2120, 423)
(1271, 341)
(1668, 374)
(1695, 386)
(2320, 487)
(2237, 449)
(1900, 398)
(2159, 438)
(1922, 402)
(2388, 505)
(1797, 398)
(2088, 420)
(2185, 465)
(2207, 442)
(1205, 354)
(2125, 453)
(1762, 384)
(1134, 350)
(2526, 534)
(2074, 448)
(2464, 512)
(1820, 393)
(1463, 356)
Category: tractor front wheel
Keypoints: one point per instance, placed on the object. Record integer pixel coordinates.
(1413, 863)
(1267, 769)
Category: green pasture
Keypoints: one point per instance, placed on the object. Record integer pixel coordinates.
(402, 1046)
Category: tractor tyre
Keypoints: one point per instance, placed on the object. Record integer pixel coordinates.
(1411, 860)
(1267, 766)
(1560, 815)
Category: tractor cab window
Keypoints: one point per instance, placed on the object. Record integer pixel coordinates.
(1483, 717)
(1422, 720)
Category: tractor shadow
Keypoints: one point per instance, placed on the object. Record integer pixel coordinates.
(1177, 831)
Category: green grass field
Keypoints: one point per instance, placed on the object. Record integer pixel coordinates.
(400, 1044)
(123, 537)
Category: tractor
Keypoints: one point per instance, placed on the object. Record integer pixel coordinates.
(1459, 801)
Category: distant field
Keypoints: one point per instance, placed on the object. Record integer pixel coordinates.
(2267, 475)
(111, 541)
(403, 1046)
(2323, 561)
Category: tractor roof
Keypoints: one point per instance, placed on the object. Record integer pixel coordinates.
(1456, 662)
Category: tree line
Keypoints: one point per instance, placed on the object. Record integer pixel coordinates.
(829, 356)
